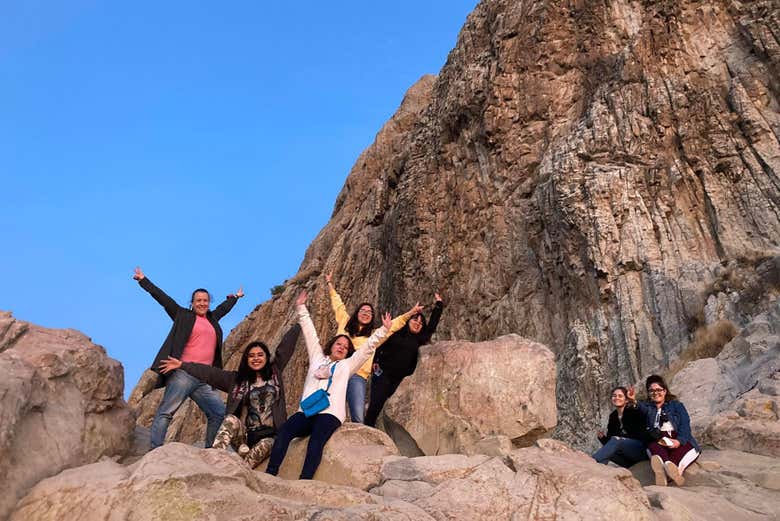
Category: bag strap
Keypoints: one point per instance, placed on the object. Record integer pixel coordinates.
(330, 378)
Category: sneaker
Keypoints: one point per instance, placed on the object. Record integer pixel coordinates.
(243, 450)
(657, 464)
(674, 473)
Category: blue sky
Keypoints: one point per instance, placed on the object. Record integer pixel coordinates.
(204, 142)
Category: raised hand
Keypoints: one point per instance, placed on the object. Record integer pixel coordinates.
(240, 292)
(329, 277)
(139, 274)
(631, 394)
(302, 297)
(437, 297)
(387, 320)
(417, 308)
(169, 364)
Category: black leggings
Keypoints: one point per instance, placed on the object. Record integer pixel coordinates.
(320, 426)
(382, 388)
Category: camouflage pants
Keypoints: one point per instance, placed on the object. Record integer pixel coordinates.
(232, 433)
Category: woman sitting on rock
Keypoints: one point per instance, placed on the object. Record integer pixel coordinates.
(624, 442)
(397, 358)
(674, 447)
(329, 370)
(358, 327)
(255, 406)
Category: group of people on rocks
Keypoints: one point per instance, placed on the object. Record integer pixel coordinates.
(254, 420)
(658, 428)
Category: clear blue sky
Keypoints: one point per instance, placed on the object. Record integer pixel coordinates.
(205, 142)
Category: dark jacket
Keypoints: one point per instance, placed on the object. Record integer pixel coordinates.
(676, 413)
(183, 322)
(633, 425)
(226, 380)
(398, 355)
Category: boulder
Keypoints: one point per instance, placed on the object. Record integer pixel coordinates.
(463, 392)
(61, 405)
(181, 482)
(733, 398)
(353, 456)
(547, 481)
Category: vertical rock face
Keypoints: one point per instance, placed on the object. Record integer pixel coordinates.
(577, 173)
(61, 405)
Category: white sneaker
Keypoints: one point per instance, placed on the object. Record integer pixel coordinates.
(657, 464)
(674, 473)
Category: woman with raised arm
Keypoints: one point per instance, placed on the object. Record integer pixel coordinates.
(194, 337)
(329, 370)
(397, 358)
(358, 327)
(667, 422)
(255, 404)
(624, 442)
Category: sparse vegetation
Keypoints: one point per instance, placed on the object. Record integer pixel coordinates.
(708, 341)
(277, 290)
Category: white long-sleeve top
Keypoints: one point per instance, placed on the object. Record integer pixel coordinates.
(344, 368)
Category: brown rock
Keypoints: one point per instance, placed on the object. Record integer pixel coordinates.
(463, 392)
(178, 481)
(577, 173)
(61, 405)
(353, 456)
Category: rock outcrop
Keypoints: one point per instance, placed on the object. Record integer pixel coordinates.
(353, 456)
(178, 481)
(463, 392)
(579, 173)
(61, 405)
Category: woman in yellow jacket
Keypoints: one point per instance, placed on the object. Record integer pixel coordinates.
(358, 327)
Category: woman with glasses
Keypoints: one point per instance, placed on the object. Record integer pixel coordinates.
(623, 444)
(674, 448)
(358, 327)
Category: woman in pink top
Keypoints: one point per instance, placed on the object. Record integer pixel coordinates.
(194, 337)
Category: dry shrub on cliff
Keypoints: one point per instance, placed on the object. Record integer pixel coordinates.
(708, 341)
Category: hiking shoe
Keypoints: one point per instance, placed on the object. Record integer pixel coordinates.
(674, 473)
(657, 464)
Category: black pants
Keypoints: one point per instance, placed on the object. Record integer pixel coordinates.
(382, 388)
(320, 426)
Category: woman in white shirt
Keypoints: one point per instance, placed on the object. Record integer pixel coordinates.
(336, 362)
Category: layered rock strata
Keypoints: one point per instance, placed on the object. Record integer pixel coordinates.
(578, 173)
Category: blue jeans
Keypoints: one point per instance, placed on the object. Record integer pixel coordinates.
(320, 426)
(179, 386)
(356, 397)
(623, 451)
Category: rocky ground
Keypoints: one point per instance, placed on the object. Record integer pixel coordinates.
(481, 462)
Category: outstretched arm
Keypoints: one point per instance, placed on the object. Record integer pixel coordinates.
(310, 337)
(367, 351)
(286, 347)
(215, 377)
(226, 305)
(170, 305)
(339, 309)
(433, 322)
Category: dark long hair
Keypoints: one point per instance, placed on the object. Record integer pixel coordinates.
(424, 335)
(658, 379)
(350, 348)
(247, 374)
(355, 328)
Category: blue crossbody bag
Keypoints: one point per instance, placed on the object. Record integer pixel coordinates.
(319, 400)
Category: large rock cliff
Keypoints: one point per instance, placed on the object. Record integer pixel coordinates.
(578, 173)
